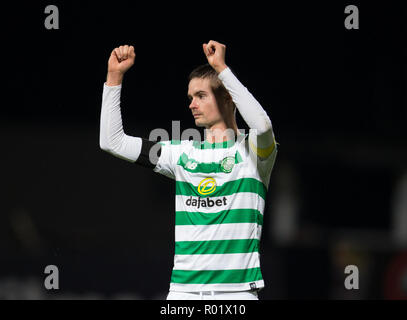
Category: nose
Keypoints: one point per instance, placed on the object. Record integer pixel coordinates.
(193, 105)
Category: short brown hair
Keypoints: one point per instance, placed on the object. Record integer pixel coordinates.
(205, 71)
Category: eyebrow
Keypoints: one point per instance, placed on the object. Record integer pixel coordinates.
(196, 93)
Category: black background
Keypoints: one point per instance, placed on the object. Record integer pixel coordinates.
(336, 97)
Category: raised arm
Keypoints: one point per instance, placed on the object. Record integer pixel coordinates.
(112, 137)
(261, 139)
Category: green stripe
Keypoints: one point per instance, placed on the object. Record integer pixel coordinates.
(218, 145)
(238, 157)
(207, 145)
(216, 276)
(217, 246)
(205, 167)
(170, 142)
(228, 188)
(215, 145)
(225, 216)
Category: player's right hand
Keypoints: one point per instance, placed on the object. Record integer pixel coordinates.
(121, 59)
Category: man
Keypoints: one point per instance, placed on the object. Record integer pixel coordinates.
(221, 183)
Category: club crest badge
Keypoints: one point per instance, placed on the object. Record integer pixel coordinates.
(227, 164)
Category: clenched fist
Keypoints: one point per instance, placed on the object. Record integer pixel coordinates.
(121, 60)
(215, 53)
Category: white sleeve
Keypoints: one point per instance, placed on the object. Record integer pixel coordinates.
(261, 136)
(112, 137)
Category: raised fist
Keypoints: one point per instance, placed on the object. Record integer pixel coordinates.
(215, 53)
(121, 59)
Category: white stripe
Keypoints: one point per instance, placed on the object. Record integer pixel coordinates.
(241, 200)
(208, 155)
(227, 231)
(240, 171)
(247, 169)
(213, 155)
(186, 287)
(213, 295)
(216, 261)
(216, 155)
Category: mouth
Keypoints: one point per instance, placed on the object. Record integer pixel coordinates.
(196, 115)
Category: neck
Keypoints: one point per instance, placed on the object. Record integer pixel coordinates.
(221, 132)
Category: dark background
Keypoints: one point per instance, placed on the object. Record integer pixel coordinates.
(337, 100)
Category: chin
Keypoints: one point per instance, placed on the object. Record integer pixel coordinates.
(199, 124)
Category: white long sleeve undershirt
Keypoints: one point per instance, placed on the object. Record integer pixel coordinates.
(112, 137)
(115, 141)
(250, 110)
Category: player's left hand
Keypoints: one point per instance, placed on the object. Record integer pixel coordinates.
(215, 53)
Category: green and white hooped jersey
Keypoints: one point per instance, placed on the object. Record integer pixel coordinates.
(220, 199)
